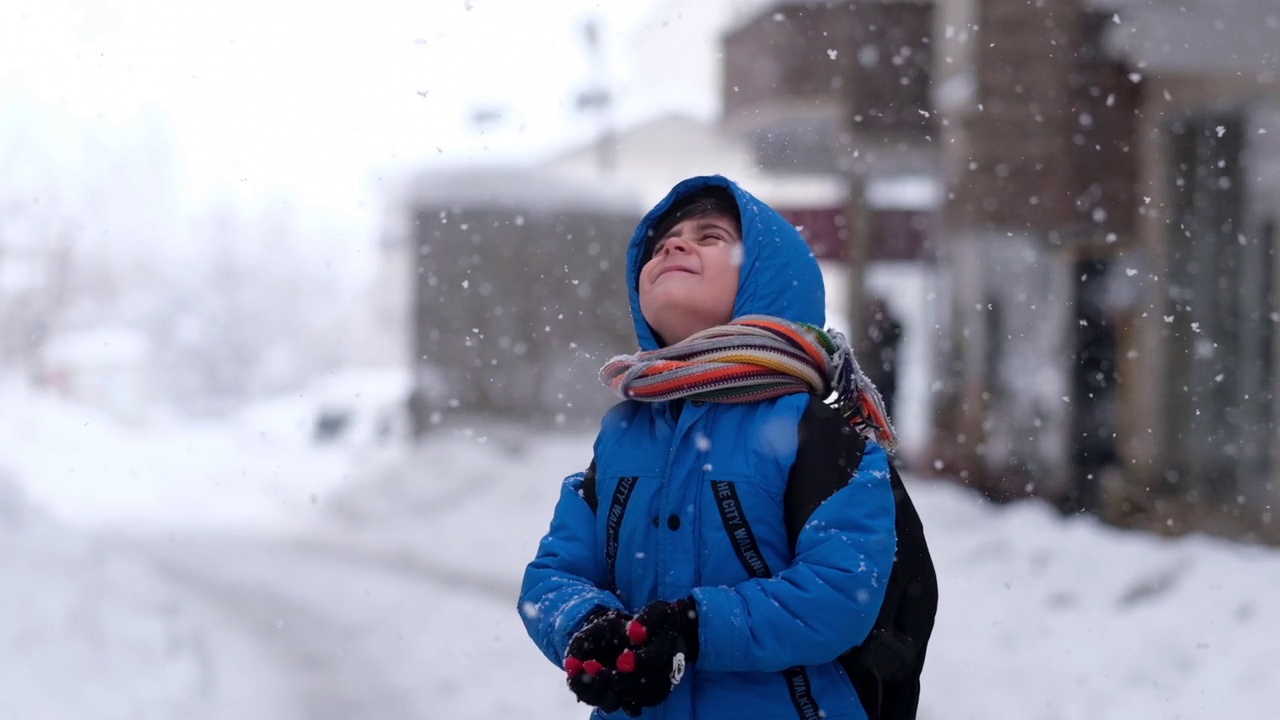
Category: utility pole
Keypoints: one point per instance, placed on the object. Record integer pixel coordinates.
(597, 98)
(857, 252)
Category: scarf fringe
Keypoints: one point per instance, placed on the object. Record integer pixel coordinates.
(754, 358)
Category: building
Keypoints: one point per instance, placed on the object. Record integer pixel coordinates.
(517, 293)
(1107, 243)
(1198, 430)
(1039, 167)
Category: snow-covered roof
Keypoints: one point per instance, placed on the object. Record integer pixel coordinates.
(651, 157)
(752, 11)
(521, 188)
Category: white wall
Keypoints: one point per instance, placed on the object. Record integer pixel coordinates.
(911, 290)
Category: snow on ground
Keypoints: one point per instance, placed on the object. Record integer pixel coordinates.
(1046, 618)
(365, 634)
(254, 470)
(87, 631)
(267, 577)
(91, 634)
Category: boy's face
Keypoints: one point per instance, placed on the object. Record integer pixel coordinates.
(691, 281)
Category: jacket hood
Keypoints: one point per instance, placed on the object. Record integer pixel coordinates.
(779, 274)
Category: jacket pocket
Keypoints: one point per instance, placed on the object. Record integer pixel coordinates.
(742, 531)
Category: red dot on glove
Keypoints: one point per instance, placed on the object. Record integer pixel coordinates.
(636, 633)
(593, 667)
(573, 666)
(627, 661)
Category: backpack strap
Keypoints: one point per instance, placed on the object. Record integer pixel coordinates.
(588, 488)
(829, 450)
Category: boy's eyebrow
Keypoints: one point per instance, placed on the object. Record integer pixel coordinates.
(700, 225)
(703, 225)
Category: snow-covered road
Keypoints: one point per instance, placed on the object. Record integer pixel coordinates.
(354, 634)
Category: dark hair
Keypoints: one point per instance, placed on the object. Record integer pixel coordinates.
(714, 200)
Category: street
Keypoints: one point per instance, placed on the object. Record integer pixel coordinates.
(352, 634)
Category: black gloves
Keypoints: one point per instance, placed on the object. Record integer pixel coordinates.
(616, 662)
(663, 637)
(592, 657)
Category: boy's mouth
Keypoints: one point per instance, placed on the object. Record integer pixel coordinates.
(673, 268)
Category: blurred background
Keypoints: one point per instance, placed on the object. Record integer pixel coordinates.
(302, 305)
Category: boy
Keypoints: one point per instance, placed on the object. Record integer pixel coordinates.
(671, 583)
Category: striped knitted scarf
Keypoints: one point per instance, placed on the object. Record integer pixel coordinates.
(753, 358)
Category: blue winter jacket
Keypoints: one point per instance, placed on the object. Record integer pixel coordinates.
(691, 503)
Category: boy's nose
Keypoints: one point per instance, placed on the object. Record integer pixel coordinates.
(675, 243)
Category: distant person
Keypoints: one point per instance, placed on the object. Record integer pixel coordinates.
(734, 536)
(883, 335)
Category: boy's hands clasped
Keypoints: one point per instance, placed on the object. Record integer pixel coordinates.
(619, 662)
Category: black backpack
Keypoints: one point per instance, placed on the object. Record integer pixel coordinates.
(885, 668)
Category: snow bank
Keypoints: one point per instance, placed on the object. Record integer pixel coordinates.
(1046, 618)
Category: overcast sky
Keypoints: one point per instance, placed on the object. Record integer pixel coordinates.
(309, 99)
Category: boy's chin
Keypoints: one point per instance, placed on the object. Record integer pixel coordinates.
(677, 300)
(675, 332)
(682, 314)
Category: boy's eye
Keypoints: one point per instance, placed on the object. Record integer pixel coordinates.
(706, 239)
